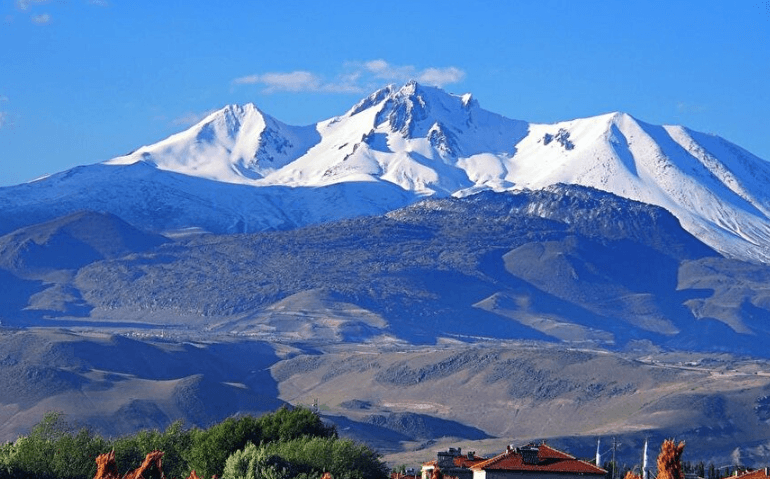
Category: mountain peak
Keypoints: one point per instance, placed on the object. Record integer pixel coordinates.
(427, 141)
(412, 88)
(620, 117)
(414, 109)
(235, 144)
(411, 91)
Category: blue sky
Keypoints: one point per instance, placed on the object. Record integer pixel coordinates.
(82, 81)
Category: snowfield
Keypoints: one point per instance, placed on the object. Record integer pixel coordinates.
(403, 143)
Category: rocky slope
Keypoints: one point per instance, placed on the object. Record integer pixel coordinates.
(566, 264)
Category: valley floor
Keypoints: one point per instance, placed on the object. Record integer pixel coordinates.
(407, 401)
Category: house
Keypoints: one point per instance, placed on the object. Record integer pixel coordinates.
(763, 473)
(535, 462)
(452, 463)
(409, 473)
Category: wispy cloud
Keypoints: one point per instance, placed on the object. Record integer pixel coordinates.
(683, 107)
(43, 19)
(37, 19)
(441, 76)
(4, 117)
(400, 73)
(355, 77)
(292, 81)
(25, 4)
(190, 118)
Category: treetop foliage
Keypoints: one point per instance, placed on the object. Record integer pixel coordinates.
(57, 449)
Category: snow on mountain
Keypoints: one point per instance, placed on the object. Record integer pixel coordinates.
(417, 141)
(236, 144)
(411, 137)
(715, 188)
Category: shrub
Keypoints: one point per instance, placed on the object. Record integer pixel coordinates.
(131, 450)
(306, 457)
(210, 448)
(53, 449)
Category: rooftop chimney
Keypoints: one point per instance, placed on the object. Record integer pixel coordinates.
(529, 454)
(446, 459)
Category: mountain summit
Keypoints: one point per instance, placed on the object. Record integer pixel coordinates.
(241, 170)
(235, 144)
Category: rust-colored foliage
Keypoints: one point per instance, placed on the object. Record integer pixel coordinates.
(193, 475)
(107, 469)
(153, 458)
(632, 475)
(437, 474)
(670, 460)
(327, 475)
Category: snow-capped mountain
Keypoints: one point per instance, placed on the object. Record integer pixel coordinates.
(414, 137)
(236, 144)
(242, 170)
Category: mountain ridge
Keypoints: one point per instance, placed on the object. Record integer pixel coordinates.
(568, 264)
(401, 144)
(562, 304)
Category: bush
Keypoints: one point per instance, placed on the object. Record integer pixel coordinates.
(210, 448)
(254, 463)
(286, 424)
(307, 457)
(130, 451)
(53, 449)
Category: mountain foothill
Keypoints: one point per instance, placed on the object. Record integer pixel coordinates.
(392, 262)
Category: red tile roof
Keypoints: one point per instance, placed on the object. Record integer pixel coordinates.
(549, 460)
(463, 461)
(398, 475)
(758, 474)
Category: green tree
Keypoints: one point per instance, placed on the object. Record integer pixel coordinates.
(53, 449)
(210, 448)
(286, 424)
(75, 454)
(306, 457)
(255, 463)
(131, 450)
(700, 469)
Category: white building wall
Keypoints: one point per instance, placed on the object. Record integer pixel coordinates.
(493, 474)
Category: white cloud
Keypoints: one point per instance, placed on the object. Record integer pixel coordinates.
(357, 77)
(292, 81)
(683, 107)
(99, 3)
(190, 118)
(402, 73)
(24, 4)
(441, 76)
(376, 65)
(4, 117)
(385, 71)
(43, 19)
